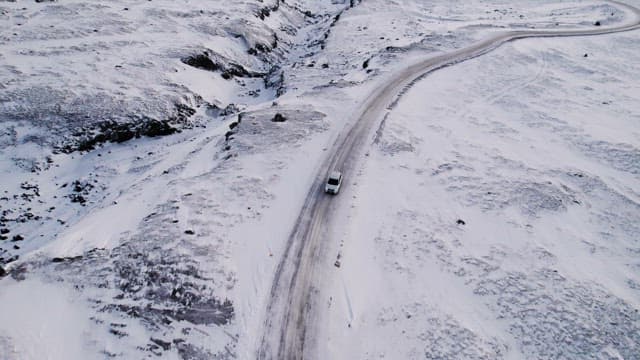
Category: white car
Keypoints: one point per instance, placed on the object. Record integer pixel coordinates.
(333, 183)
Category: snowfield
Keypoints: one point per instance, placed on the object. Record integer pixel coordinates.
(500, 221)
(155, 156)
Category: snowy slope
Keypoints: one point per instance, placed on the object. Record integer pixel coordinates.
(115, 59)
(168, 245)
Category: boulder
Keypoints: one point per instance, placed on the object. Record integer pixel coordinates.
(279, 118)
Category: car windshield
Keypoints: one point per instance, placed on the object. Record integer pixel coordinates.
(333, 181)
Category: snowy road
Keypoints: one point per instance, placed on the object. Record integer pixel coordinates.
(290, 312)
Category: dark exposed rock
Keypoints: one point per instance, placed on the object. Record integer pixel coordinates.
(189, 232)
(260, 48)
(230, 109)
(112, 131)
(182, 113)
(236, 70)
(597, 23)
(274, 79)
(396, 49)
(165, 345)
(461, 222)
(2, 272)
(8, 260)
(77, 198)
(279, 118)
(215, 111)
(34, 188)
(263, 13)
(117, 332)
(66, 259)
(201, 61)
(155, 128)
(228, 134)
(135, 126)
(82, 186)
(81, 189)
(17, 238)
(228, 68)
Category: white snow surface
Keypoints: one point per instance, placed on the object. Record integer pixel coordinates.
(172, 253)
(61, 336)
(537, 154)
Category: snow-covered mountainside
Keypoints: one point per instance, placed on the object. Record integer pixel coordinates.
(154, 157)
(106, 72)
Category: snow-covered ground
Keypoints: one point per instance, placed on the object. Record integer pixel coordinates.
(168, 245)
(496, 215)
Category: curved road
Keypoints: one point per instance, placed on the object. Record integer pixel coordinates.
(292, 298)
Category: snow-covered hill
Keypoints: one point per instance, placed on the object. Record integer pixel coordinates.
(147, 191)
(77, 68)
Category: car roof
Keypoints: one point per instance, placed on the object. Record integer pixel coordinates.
(335, 175)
